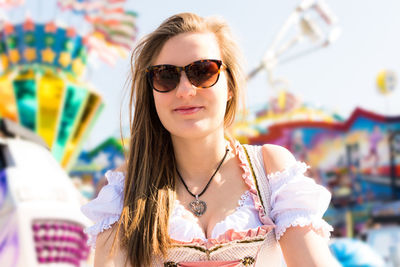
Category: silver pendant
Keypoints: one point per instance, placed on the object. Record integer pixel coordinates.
(198, 207)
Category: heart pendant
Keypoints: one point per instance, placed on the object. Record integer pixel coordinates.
(198, 207)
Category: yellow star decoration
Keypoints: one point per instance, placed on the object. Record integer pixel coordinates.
(65, 59)
(30, 54)
(14, 56)
(48, 55)
(4, 61)
(77, 66)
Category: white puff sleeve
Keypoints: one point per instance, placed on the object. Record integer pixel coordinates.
(106, 209)
(296, 200)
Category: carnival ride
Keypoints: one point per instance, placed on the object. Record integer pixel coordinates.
(42, 81)
(47, 108)
(310, 27)
(40, 220)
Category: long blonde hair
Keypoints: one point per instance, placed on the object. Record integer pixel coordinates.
(149, 190)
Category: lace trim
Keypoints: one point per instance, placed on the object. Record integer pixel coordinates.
(99, 227)
(240, 153)
(320, 226)
(230, 236)
(243, 199)
(282, 176)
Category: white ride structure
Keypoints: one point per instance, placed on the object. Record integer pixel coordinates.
(40, 220)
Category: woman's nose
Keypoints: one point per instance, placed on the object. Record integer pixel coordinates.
(185, 87)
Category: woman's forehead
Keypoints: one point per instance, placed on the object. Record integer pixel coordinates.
(185, 48)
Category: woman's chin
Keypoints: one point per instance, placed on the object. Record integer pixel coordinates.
(189, 134)
(192, 132)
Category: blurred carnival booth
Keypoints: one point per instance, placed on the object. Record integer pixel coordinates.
(358, 160)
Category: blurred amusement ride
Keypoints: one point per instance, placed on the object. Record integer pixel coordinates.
(48, 107)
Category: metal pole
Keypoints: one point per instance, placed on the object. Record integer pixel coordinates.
(392, 152)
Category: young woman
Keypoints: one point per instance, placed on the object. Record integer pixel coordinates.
(187, 195)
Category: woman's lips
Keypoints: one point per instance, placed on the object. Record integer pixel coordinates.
(186, 110)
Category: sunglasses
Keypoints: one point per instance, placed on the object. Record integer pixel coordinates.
(201, 74)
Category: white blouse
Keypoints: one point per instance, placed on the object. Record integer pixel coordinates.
(295, 200)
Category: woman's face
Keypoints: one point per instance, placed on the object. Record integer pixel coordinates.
(187, 111)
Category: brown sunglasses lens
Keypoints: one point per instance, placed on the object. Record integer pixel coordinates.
(165, 78)
(202, 74)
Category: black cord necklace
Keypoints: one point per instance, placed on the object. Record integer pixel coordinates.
(199, 207)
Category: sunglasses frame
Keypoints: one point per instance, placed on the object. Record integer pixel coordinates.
(149, 72)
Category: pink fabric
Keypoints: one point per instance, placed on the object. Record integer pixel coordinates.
(229, 236)
(247, 176)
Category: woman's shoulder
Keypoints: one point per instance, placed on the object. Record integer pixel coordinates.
(276, 158)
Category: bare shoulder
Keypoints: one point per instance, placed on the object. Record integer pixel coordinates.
(108, 251)
(276, 158)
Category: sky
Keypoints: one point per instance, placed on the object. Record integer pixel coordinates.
(338, 78)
